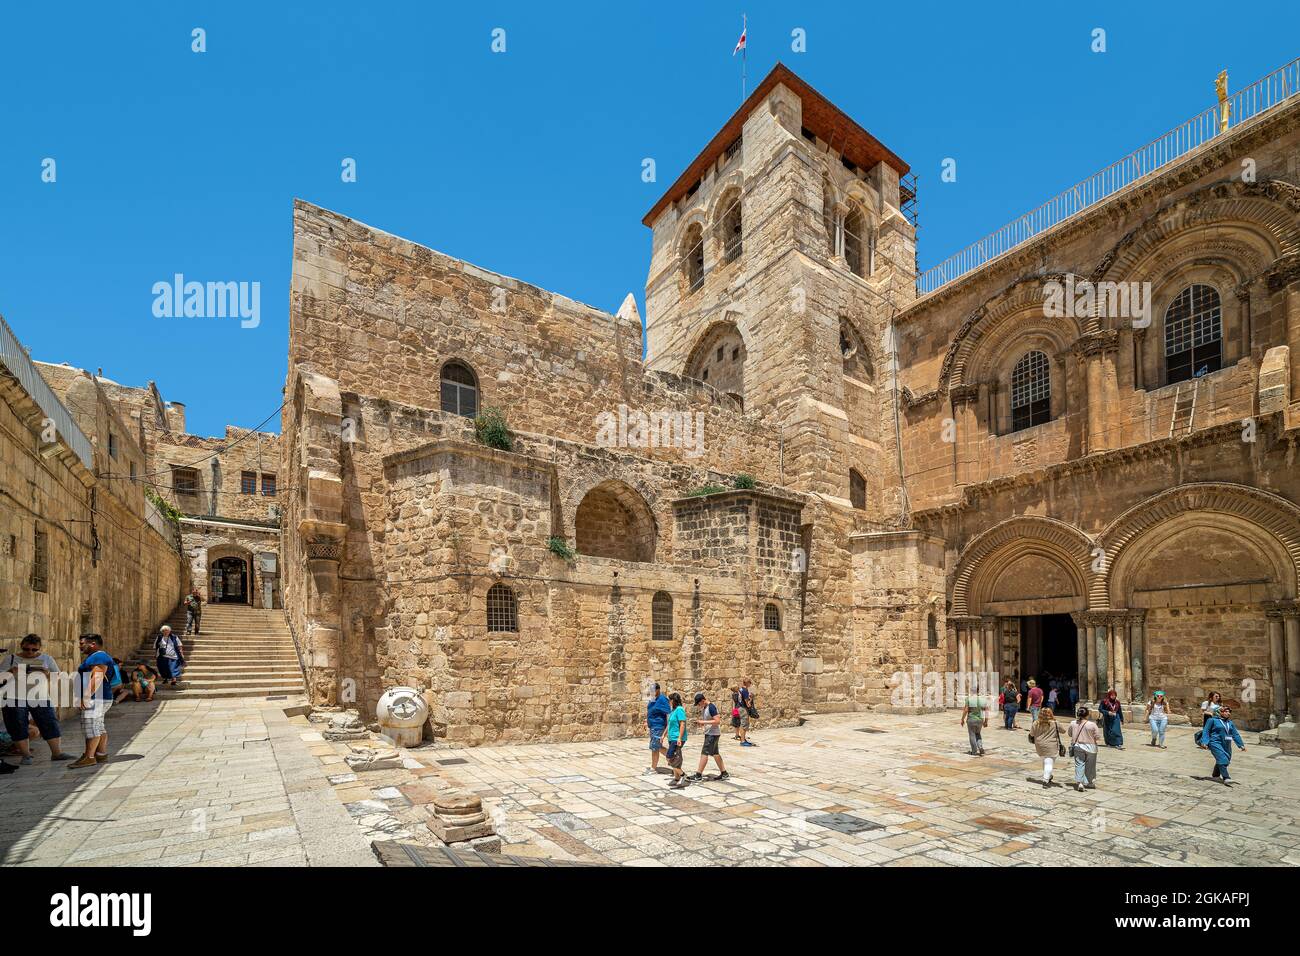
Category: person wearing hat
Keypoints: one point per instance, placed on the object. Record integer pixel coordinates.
(1158, 718)
(1219, 734)
(712, 724)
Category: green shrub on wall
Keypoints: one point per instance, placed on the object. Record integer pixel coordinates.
(744, 482)
(560, 548)
(490, 429)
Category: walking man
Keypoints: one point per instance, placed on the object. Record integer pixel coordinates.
(193, 612)
(656, 720)
(711, 721)
(96, 678)
(972, 716)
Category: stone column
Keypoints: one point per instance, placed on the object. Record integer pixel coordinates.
(1137, 653)
(1119, 628)
(1089, 691)
(1292, 621)
(991, 660)
(1102, 635)
(964, 398)
(1277, 659)
(962, 660)
(1081, 647)
(1097, 351)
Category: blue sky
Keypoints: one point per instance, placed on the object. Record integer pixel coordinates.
(526, 162)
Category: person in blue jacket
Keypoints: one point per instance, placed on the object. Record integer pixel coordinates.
(1218, 735)
(656, 720)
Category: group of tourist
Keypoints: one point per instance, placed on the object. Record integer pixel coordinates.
(102, 681)
(1217, 733)
(667, 720)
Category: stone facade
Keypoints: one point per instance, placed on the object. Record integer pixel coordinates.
(81, 549)
(895, 521)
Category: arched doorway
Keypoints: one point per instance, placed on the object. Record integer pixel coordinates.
(229, 581)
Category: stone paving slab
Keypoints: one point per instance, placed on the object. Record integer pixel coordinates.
(190, 782)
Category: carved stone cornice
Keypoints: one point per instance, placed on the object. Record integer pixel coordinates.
(1280, 610)
(1283, 273)
(322, 540)
(1096, 343)
(962, 394)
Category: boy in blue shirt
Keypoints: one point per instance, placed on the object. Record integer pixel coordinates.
(674, 738)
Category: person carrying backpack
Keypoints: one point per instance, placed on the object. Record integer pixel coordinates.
(171, 655)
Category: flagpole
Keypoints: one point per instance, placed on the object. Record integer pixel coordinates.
(744, 54)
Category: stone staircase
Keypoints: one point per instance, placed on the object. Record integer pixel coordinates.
(242, 652)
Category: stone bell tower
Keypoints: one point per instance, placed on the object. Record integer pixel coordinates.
(778, 259)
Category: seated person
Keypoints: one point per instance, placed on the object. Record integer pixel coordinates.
(144, 680)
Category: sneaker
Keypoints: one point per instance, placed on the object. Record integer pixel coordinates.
(58, 757)
(26, 761)
(649, 772)
(695, 776)
(1090, 786)
(101, 758)
(674, 785)
(746, 743)
(1078, 787)
(724, 776)
(82, 762)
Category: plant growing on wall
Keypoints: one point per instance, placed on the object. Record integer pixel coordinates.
(704, 490)
(490, 429)
(743, 481)
(560, 548)
(164, 506)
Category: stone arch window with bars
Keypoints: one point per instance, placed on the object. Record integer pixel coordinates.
(502, 609)
(693, 257)
(1031, 391)
(661, 616)
(459, 389)
(771, 617)
(1193, 334)
(730, 227)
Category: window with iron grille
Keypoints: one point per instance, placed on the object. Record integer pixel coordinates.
(502, 609)
(730, 228)
(857, 490)
(732, 150)
(459, 390)
(112, 446)
(1031, 391)
(661, 617)
(854, 227)
(693, 257)
(268, 486)
(41, 562)
(771, 618)
(185, 481)
(932, 632)
(1193, 334)
(248, 483)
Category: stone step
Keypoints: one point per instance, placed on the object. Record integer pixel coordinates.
(219, 683)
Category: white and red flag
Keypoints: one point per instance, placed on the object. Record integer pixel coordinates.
(740, 44)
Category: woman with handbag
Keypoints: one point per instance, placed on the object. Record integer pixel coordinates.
(1084, 737)
(1046, 738)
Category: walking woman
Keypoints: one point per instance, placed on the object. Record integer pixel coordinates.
(1158, 718)
(1219, 733)
(1047, 742)
(1010, 705)
(674, 739)
(972, 716)
(1209, 708)
(171, 655)
(1084, 737)
(1112, 715)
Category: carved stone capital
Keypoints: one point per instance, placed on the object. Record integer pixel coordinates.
(962, 394)
(1283, 273)
(322, 540)
(1096, 343)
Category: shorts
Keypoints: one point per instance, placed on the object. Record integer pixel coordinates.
(655, 737)
(744, 718)
(42, 715)
(710, 745)
(675, 755)
(92, 718)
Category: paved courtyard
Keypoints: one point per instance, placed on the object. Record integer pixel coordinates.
(215, 782)
(871, 789)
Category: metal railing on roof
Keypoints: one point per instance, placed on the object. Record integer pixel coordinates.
(19, 363)
(1262, 95)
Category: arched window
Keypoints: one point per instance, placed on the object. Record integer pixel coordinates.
(614, 521)
(693, 257)
(1031, 391)
(859, 242)
(502, 609)
(771, 617)
(729, 227)
(719, 358)
(931, 631)
(857, 490)
(1193, 334)
(828, 213)
(856, 361)
(661, 617)
(459, 390)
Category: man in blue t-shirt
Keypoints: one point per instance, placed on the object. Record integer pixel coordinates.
(95, 677)
(656, 720)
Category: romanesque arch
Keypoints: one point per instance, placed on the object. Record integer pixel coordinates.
(718, 358)
(1024, 560)
(613, 521)
(1204, 535)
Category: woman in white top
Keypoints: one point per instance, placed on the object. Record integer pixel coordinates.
(1158, 718)
(1084, 737)
(1209, 708)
